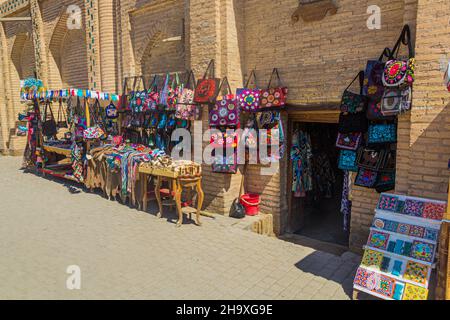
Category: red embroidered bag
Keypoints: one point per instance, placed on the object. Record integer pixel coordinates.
(274, 97)
(207, 89)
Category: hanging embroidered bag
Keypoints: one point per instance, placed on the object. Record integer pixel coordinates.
(349, 141)
(274, 97)
(186, 109)
(111, 111)
(366, 178)
(347, 160)
(396, 100)
(249, 99)
(398, 72)
(373, 83)
(172, 93)
(152, 98)
(207, 89)
(225, 112)
(382, 133)
(352, 102)
(385, 182)
(49, 128)
(372, 159)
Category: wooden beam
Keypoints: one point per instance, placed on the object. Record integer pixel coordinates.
(15, 19)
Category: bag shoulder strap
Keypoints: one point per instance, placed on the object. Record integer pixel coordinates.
(387, 52)
(154, 83)
(275, 72)
(253, 73)
(359, 76)
(405, 39)
(225, 80)
(189, 76)
(211, 69)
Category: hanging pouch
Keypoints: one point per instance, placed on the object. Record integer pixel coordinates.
(49, 128)
(152, 98)
(207, 89)
(366, 178)
(372, 159)
(173, 92)
(382, 133)
(248, 98)
(347, 160)
(349, 141)
(352, 102)
(186, 109)
(274, 96)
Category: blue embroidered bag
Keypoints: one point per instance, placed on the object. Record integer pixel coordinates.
(347, 160)
(382, 133)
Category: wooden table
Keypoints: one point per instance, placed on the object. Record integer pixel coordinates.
(178, 184)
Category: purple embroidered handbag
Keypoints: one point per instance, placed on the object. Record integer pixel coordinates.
(249, 99)
(225, 112)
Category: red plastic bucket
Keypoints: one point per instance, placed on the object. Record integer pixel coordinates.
(251, 203)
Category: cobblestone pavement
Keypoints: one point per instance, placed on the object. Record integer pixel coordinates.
(126, 254)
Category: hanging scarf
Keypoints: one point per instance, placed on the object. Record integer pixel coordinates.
(346, 203)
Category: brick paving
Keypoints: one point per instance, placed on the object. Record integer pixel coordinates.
(127, 254)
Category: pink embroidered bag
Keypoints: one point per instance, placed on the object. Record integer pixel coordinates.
(274, 96)
(186, 108)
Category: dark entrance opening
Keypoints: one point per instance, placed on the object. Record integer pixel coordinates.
(315, 204)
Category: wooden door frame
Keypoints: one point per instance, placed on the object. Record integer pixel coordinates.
(316, 114)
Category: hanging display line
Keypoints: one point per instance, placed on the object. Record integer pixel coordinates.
(66, 93)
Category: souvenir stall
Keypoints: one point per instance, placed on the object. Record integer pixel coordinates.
(57, 146)
(368, 121)
(401, 250)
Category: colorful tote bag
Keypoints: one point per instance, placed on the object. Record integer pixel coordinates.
(372, 159)
(366, 178)
(111, 111)
(400, 72)
(173, 92)
(225, 112)
(396, 100)
(207, 89)
(152, 99)
(274, 96)
(385, 181)
(382, 133)
(352, 102)
(186, 109)
(349, 141)
(137, 96)
(249, 99)
(347, 160)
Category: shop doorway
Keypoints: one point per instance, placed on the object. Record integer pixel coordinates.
(316, 183)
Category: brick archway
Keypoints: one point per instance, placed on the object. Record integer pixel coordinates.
(68, 55)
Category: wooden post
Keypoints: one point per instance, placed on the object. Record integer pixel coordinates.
(446, 227)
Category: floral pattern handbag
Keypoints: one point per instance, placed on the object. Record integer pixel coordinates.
(207, 89)
(374, 111)
(225, 112)
(400, 72)
(382, 133)
(349, 141)
(274, 97)
(186, 109)
(352, 102)
(249, 99)
(173, 92)
(152, 99)
(347, 160)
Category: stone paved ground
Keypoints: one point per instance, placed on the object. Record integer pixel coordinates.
(125, 254)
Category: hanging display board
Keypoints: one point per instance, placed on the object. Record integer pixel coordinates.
(400, 252)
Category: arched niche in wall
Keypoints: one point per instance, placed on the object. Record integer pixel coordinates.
(160, 52)
(22, 62)
(68, 55)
